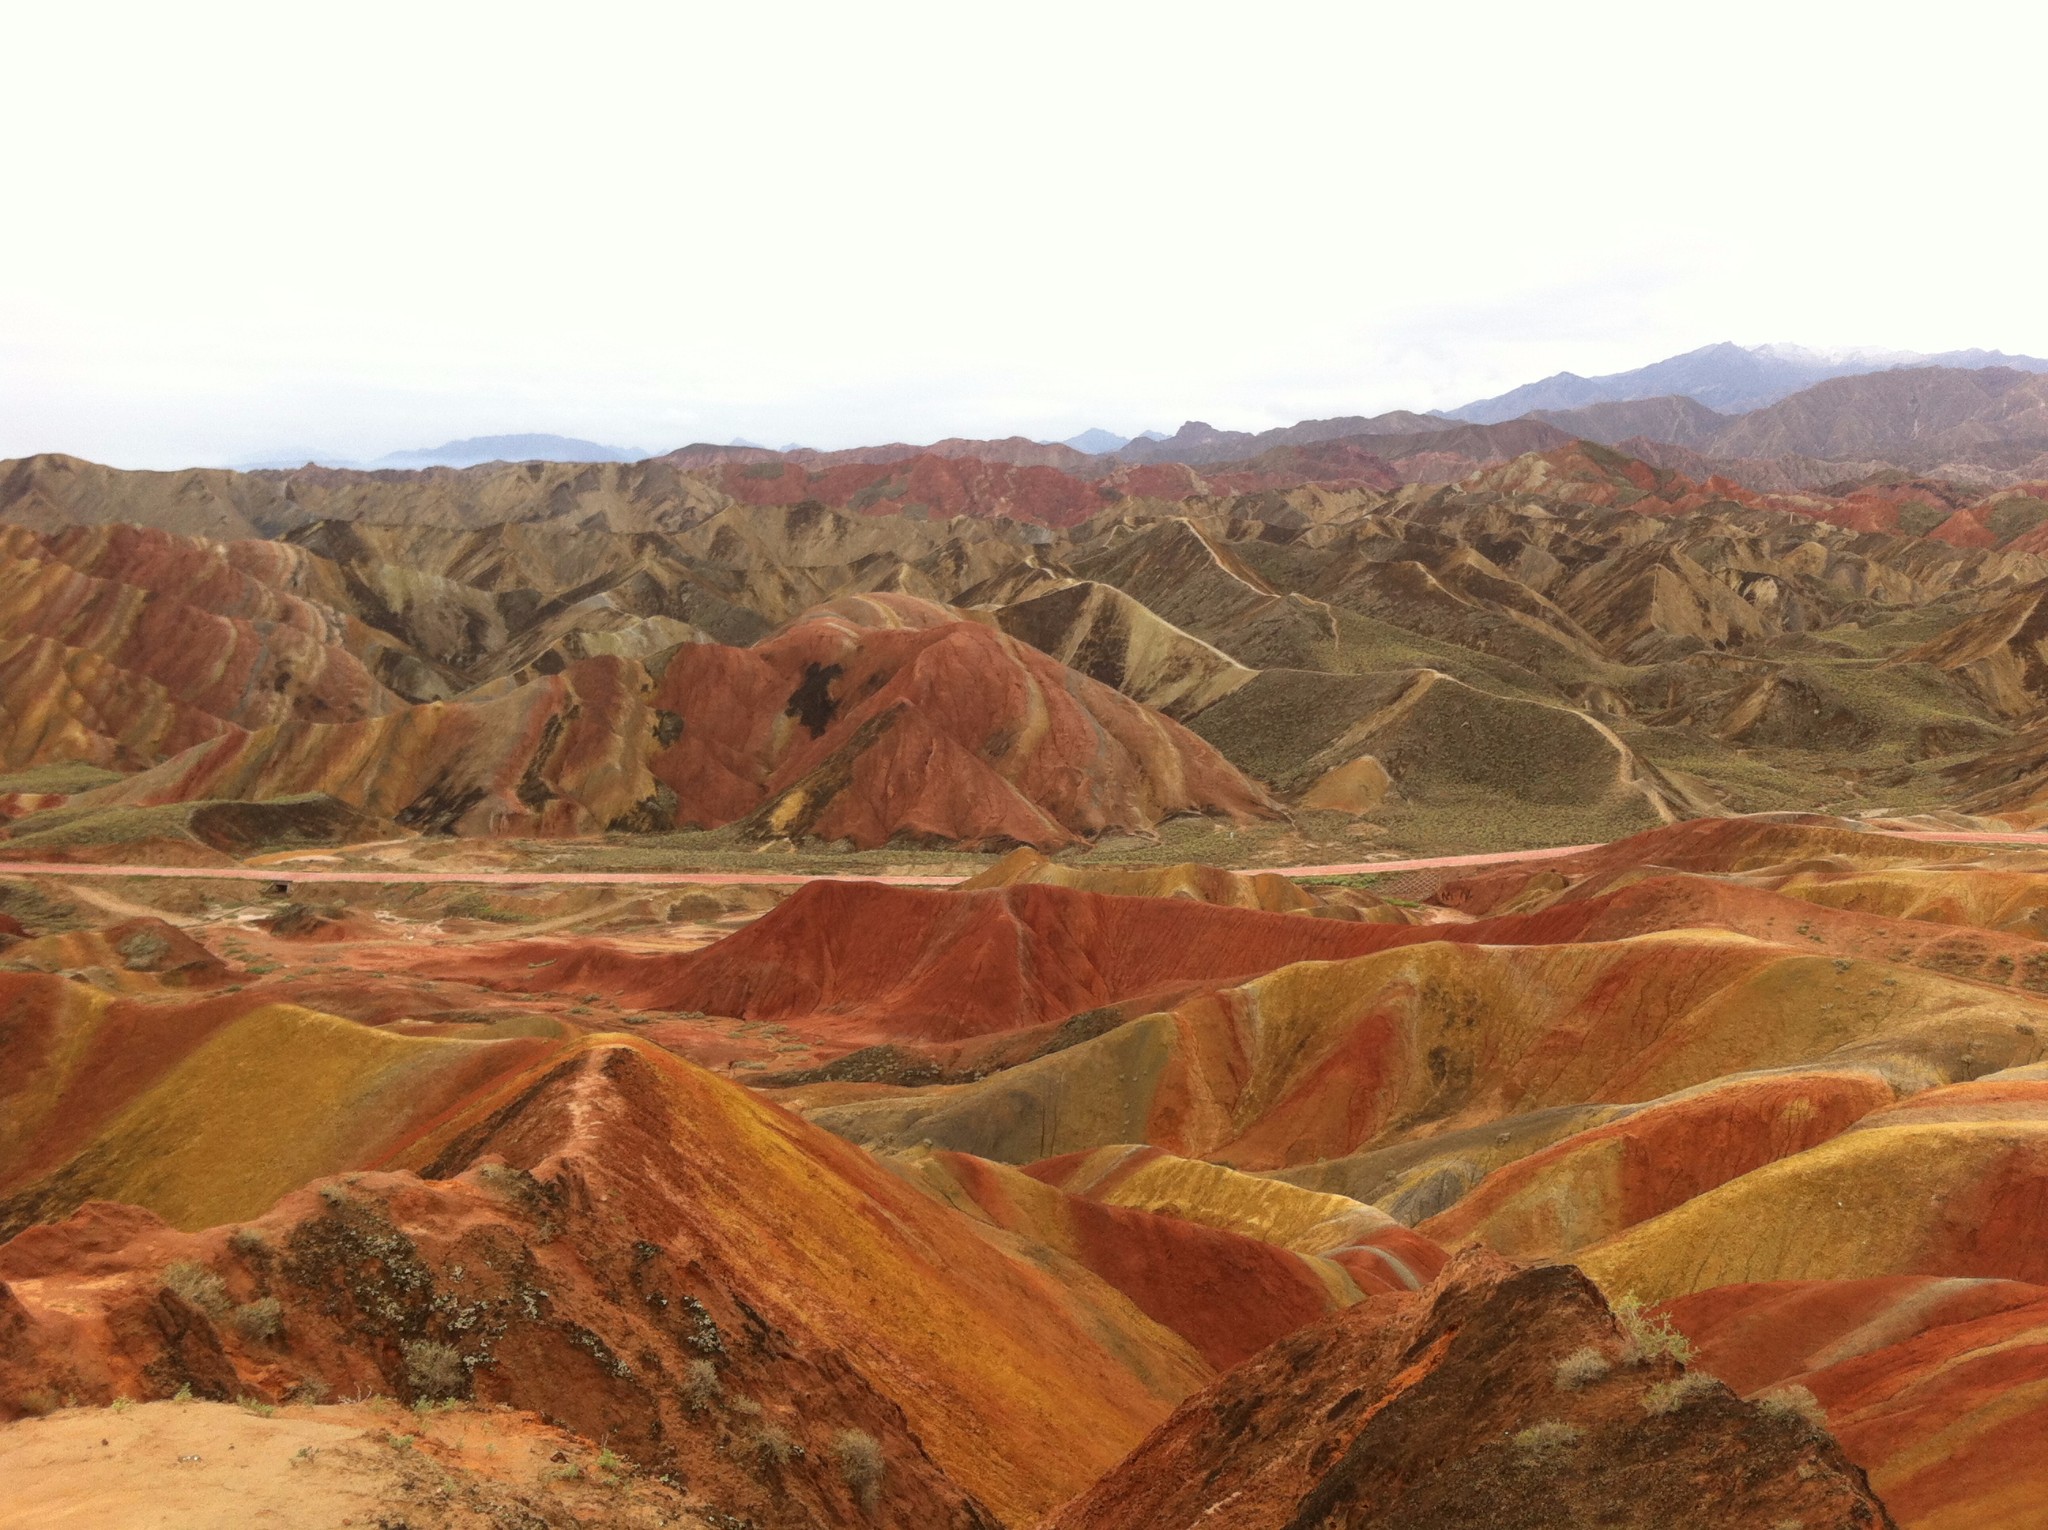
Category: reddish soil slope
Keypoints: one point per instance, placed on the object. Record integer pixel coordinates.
(1932, 1385)
(870, 962)
(938, 486)
(1713, 845)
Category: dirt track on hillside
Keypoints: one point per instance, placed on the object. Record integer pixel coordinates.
(791, 879)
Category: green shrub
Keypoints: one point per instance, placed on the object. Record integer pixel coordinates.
(1671, 1396)
(1581, 1368)
(261, 1321)
(1917, 519)
(860, 1465)
(1648, 1338)
(198, 1285)
(434, 1369)
(2016, 516)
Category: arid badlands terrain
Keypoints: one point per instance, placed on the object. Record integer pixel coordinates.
(806, 990)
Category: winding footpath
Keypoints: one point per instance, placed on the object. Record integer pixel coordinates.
(295, 874)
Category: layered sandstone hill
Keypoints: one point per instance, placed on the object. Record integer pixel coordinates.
(607, 1234)
(1265, 890)
(1033, 1165)
(881, 719)
(900, 963)
(1563, 647)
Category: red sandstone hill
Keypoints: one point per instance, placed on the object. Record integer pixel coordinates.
(1733, 623)
(874, 963)
(888, 716)
(1896, 1361)
(1713, 845)
(1444, 1410)
(897, 963)
(122, 644)
(927, 484)
(1784, 1076)
(937, 484)
(872, 720)
(643, 1253)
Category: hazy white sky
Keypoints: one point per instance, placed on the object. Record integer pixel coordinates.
(238, 230)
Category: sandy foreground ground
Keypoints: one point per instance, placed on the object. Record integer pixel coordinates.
(210, 1466)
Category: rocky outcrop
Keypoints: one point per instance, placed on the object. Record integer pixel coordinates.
(1501, 1396)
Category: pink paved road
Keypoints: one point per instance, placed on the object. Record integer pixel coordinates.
(758, 879)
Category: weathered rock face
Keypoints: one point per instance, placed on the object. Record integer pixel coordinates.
(2001, 655)
(1109, 636)
(1458, 1407)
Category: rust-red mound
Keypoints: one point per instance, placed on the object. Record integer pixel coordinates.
(1687, 901)
(890, 717)
(175, 612)
(1710, 845)
(1443, 1411)
(1227, 1294)
(1932, 1385)
(871, 962)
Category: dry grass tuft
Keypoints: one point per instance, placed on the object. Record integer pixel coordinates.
(701, 1386)
(1548, 1438)
(261, 1321)
(198, 1285)
(773, 1447)
(1648, 1338)
(1672, 1396)
(860, 1465)
(1581, 1368)
(435, 1370)
(1792, 1401)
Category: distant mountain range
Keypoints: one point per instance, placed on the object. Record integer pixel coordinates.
(520, 448)
(1097, 442)
(472, 452)
(1731, 379)
(1773, 417)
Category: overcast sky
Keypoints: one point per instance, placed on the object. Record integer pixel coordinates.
(237, 231)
